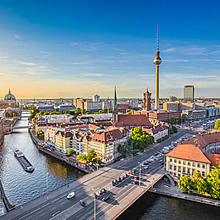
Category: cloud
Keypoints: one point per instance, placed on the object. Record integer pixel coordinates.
(26, 63)
(3, 57)
(80, 63)
(95, 74)
(169, 50)
(18, 37)
(74, 43)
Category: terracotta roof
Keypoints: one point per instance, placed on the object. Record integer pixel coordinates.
(188, 152)
(214, 158)
(202, 140)
(124, 106)
(155, 130)
(107, 136)
(133, 120)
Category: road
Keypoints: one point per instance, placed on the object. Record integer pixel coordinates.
(59, 207)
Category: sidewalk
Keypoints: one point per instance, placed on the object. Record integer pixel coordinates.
(163, 188)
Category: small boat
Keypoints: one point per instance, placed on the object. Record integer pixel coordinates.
(27, 166)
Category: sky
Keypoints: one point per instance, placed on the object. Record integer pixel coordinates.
(69, 48)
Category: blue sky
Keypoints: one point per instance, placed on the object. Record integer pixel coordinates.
(80, 48)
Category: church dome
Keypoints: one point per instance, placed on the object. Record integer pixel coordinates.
(9, 96)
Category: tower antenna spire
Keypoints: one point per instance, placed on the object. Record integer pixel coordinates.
(157, 37)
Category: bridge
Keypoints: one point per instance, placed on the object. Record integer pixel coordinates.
(56, 206)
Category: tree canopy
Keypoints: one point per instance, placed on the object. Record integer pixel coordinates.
(217, 124)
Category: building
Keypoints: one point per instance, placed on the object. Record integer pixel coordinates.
(46, 108)
(79, 103)
(67, 108)
(124, 108)
(189, 93)
(198, 153)
(10, 105)
(193, 115)
(185, 159)
(2, 119)
(158, 131)
(96, 98)
(172, 98)
(172, 106)
(157, 62)
(63, 139)
(147, 101)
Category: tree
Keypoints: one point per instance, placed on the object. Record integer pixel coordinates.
(91, 155)
(213, 182)
(82, 158)
(101, 126)
(70, 152)
(174, 129)
(217, 124)
(199, 183)
(172, 120)
(185, 183)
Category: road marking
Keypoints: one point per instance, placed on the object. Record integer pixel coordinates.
(55, 213)
(24, 216)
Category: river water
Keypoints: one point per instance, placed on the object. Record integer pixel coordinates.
(21, 187)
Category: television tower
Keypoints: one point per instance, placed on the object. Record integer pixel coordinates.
(157, 62)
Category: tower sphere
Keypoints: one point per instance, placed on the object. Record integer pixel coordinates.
(157, 61)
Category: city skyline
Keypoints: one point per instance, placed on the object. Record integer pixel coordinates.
(80, 49)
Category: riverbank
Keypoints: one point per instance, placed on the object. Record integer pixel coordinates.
(59, 155)
(164, 188)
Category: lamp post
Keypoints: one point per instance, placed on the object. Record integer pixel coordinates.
(94, 204)
(139, 174)
(47, 183)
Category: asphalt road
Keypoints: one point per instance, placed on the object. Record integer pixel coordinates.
(59, 207)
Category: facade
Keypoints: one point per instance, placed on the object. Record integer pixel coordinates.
(171, 106)
(185, 159)
(46, 108)
(2, 118)
(96, 98)
(63, 139)
(10, 105)
(147, 101)
(200, 153)
(157, 132)
(189, 93)
(67, 108)
(196, 114)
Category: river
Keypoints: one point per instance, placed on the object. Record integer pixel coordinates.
(21, 187)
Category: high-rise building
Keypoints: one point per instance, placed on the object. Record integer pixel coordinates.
(172, 98)
(147, 101)
(189, 93)
(96, 98)
(157, 62)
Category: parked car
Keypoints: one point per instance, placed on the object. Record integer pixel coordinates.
(71, 195)
(82, 203)
(103, 190)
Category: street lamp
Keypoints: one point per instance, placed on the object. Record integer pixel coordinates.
(47, 183)
(139, 174)
(94, 204)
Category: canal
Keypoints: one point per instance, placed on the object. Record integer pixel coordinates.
(21, 187)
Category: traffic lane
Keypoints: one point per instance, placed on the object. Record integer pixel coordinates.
(117, 192)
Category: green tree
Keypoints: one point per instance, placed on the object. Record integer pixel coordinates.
(82, 158)
(172, 120)
(70, 152)
(174, 129)
(217, 124)
(91, 155)
(101, 126)
(213, 182)
(199, 183)
(185, 183)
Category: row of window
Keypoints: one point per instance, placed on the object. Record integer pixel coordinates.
(188, 163)
(184, 170)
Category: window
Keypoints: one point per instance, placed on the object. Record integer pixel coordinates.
(184, 169)
(193, 164)
(179, 169)
(203, 166)
(203, 173)
(170, 167)
(184, 162)
(198, 164)
(175, 161)
(171, 160)
(174, 174)
(174, 167)
(189, 164)
(179, 161)
(188, 171)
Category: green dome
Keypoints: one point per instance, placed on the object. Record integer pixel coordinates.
(9, 96)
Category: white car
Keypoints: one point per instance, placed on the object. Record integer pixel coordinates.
(70, 195)
(145, 167)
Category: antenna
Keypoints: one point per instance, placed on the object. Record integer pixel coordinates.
(157, 37)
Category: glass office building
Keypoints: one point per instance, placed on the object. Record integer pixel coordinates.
(189, 93)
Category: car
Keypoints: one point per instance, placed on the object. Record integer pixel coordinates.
(82, 203)
(70, 195)
(104, 199)
(146, 167)
(119, 179)
(130, 172)
(113, 182)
